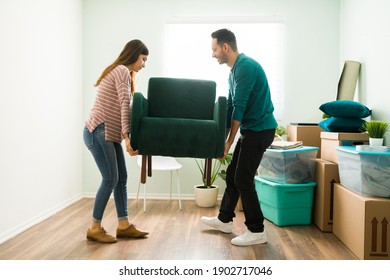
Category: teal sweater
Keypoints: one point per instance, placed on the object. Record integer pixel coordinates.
(249, 100)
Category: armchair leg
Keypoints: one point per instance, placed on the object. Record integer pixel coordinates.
(143, 169)
(146, 160)
(208, 163)
(149, 166)
(205, 170)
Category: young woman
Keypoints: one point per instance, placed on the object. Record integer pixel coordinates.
(108, 124)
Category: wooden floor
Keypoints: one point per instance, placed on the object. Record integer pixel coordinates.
(174, 235)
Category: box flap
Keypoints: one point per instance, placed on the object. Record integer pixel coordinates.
(344, 135)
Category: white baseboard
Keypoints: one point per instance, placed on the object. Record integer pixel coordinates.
(36, 220)
(152, 196)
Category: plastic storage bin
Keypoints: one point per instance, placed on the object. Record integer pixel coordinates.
(365, 172)
(285, 204)
(295, 166)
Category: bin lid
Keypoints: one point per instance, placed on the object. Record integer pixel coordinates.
(366, 150)
(275, 184)
(295, 150)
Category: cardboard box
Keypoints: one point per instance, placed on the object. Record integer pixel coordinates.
(331, 140)
(327, 174)
(362, 223)
(308, 134)
(285, 204)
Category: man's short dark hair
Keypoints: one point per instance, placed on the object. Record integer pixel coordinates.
(225, 36)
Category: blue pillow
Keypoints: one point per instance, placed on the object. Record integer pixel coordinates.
(345, 109)
(335, 124)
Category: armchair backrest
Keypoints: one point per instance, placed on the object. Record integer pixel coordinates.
(179, 118)
(181, 98)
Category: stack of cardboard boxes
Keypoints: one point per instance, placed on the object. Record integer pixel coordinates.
(328, 174)
(361, 222)
(362, 204)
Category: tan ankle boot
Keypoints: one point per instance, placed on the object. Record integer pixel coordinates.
(100, 235)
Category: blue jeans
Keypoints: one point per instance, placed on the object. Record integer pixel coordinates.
(110, 160)
(240, 175)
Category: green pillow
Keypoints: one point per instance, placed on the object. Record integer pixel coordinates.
(345, 109)
(335, 124)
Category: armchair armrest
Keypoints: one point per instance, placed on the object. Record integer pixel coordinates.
(139, 110)
(220, 119)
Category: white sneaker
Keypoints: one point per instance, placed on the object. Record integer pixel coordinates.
(250, 238)
(215, 223)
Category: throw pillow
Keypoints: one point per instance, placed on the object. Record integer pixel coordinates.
(335, 124)
(345, 109)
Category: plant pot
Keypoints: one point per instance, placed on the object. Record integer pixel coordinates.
(206, 196)
(376, 141)
(280, 138)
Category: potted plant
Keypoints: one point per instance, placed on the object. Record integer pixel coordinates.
(206, 195)
(280, 131)
(376, 130)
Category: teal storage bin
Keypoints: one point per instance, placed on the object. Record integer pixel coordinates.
(292, 166)
(285, 204)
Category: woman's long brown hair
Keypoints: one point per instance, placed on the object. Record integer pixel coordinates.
(129, 55)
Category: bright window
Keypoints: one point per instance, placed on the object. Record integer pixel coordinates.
(188, 53)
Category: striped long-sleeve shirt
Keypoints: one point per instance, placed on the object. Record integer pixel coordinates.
(112, 105)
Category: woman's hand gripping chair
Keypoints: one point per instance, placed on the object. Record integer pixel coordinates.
(179, 118)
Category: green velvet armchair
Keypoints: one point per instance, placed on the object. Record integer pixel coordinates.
(179, 118)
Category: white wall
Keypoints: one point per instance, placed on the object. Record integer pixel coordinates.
(311, 58)
(365, 37)
(40, 110)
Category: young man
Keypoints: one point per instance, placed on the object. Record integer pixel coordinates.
(250, 110)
